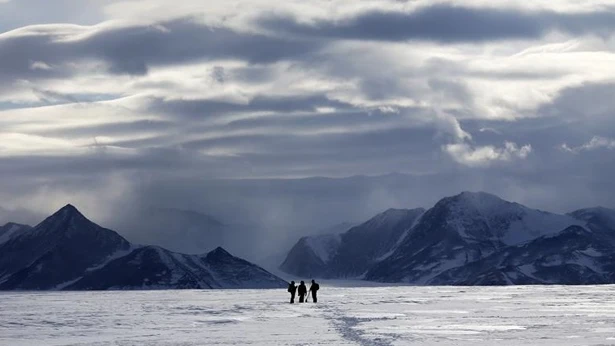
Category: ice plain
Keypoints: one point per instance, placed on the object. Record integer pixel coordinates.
(402, 315)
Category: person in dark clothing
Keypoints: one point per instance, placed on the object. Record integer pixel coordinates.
(292, 289)
(313, 288)
(302, 292)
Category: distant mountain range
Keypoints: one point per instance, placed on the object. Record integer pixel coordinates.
(68, 252)
(467, 239)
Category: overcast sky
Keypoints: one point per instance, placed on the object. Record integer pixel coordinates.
(106, 101)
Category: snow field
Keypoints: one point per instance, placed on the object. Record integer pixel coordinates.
(513, 315)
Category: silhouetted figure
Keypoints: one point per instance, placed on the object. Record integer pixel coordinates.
(313, 288)
(292, 289)
(302, 292)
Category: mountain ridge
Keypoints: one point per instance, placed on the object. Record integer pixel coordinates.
(448, 242)
(66, 251)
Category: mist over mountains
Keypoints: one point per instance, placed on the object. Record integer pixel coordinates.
(261, 217)
(472, 238)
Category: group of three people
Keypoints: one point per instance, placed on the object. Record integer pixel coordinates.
(302, 290)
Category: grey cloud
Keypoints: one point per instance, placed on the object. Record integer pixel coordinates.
(446, 23)
(583, 102)
(552, 175)
(131, 50)
(110, 129)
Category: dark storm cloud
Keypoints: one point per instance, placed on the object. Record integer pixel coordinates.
(447, 23)
(131, 50)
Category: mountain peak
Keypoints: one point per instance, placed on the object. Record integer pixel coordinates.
(67, 217)
(477, 195)
(480, 201)
(13, 224)
(219, 252)
(597, 209)
(595, 215)
(67, 212)
(68, 209)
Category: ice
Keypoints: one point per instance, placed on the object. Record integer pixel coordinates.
(404, 315)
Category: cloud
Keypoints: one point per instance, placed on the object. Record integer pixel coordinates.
(447, 23)
(39, 65)
(164, 99)
(489, 129)
(469, 155)
(595, 143)
(133, 49)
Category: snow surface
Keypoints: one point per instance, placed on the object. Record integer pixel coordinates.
(517, 315)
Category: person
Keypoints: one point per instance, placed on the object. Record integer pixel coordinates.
(292, 289)
(313, 288)
(302, 290)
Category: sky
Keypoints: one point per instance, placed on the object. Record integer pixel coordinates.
(239, 105)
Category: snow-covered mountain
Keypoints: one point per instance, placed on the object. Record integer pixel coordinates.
(598, 219)
(462, 229)
(67, 251)
(572, 256)
(479, 238)
(350, 254)
(10, 230)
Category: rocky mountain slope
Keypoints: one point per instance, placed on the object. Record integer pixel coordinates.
(350, 254)
(477, 239)
(67, 251)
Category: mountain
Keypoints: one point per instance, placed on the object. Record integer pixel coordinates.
(67, 251)
(309, 256)
(19, 216)
(463, 229)
(598, 219)
(474, 238)
(57, 250)
(351, 253)
(10, 230)
(152, 267)
(572, 256)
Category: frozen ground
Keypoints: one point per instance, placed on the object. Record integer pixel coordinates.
(522, 315)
